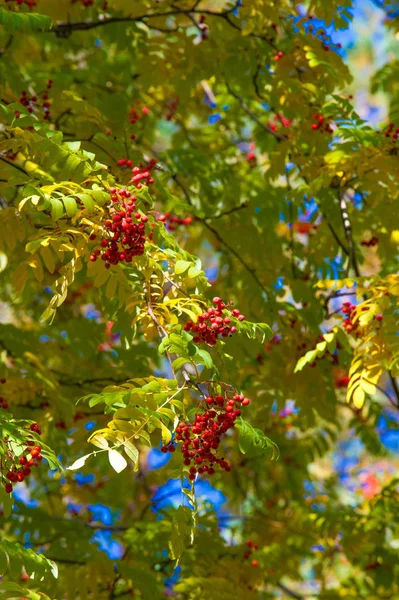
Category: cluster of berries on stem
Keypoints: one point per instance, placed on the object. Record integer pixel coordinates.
(213, 323)
(141, 174)
(250, 548)
(389, 131)
(278, 56)
(279, 119)
(251, 159)
(29, 3)
(31, 102)
(171, 221)
(370, 243)
(203, 27)
(134, 115)
(350, 325)
(125, 235)
(172, 105)
(20, 468)
(201, 439)
(87, 3)
(326, 42)
(3, 401)
(322, 124)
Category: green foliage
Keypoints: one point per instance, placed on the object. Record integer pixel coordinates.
(94, 345)
(14, 557)
(18, 22)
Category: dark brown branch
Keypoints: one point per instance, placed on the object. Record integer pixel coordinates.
(65, 29)
(289, 592)
(11, 164)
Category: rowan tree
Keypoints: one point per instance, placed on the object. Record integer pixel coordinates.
(199, 299)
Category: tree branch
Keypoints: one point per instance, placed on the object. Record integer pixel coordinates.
(348, 233)
(11, 164)
(65, 29)
(254, 117)
(227, 212)
(289, 592)
(217, 235)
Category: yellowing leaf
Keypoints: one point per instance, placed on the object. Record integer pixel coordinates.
(358, 397)
(117, 462)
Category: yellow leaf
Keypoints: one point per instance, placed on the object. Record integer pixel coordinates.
(358, 397)
(367, 387)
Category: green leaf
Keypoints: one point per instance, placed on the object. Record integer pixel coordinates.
(194, 272)
(14, 22)
(87, 201)
(181, 266)
(205, 357)
(254, 442)
(57, 209)
(71, 208)
(181, 532)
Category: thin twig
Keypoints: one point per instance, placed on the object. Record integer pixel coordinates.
(227, 212)
(11, 164)
(289, 592)
(254, 117)
(348, 233)
(223, 242)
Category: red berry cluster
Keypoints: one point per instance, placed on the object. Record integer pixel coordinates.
(251, 159)
(29, 3)
(201, 439)
(341, 381)
(323, 36)
(203, 27)
(388, 132)
(21, 467)
(3, 401)
(278, 56)
(141, 174)
(321, 124)
(87, 3)
(30, 102)
(304, 227)
(125, 238)
(279, 119)
(212, 323)
(251, 547)
(171, 222)
(372, 242)
(349, 310)
(135, 114)
(172, 105)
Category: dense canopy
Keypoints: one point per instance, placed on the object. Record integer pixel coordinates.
(199, 345)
